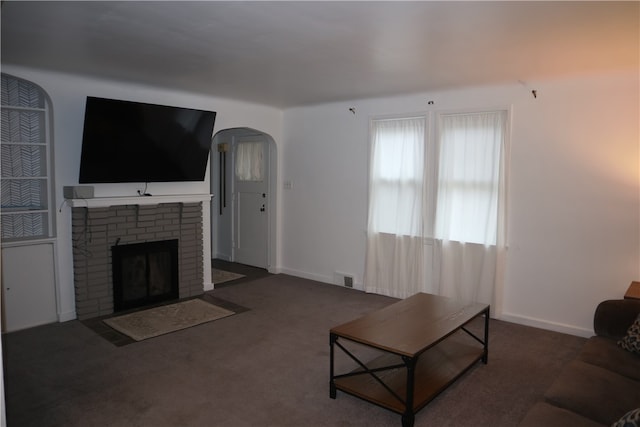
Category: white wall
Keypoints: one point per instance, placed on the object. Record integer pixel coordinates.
(574, 210)
(574, 213)
(68, 94)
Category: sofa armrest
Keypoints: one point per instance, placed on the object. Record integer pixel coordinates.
(613, 317)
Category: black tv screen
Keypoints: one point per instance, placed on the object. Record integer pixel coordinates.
(126, 141)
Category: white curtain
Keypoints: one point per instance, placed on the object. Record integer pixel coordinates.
(249, 162)
(469, 230)
(394, 261)
(463, 217)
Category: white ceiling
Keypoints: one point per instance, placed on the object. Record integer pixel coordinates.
(295, 53)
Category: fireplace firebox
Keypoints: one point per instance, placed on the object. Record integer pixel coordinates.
(144, 274)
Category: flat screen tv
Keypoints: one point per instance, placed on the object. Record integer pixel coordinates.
(125, 141)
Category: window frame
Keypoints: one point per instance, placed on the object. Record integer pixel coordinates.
(502, 157)
(388, 182)
(432, 157)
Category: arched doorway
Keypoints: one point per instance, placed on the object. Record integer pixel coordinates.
(243, 212)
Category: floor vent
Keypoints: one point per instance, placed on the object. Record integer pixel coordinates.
(343, 279)
(348, 281)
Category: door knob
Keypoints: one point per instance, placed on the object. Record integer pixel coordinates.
(262, 209)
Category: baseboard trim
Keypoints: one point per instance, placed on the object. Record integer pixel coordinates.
(305, 275)
(318, 278)
(545, 324)
(66, 316)
(274, 270)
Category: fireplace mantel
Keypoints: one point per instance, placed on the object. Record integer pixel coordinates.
(105, 202)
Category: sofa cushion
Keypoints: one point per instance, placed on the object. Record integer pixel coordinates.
(544, 414)
(594, 392)
(630, 419)
(605, 353)
(631, 341)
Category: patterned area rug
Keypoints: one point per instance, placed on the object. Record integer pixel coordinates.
(157, 321)
(221, 276)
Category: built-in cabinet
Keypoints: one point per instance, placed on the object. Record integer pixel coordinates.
(28, 285)
(27, 210)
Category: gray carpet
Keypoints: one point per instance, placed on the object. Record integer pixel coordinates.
(268, 366)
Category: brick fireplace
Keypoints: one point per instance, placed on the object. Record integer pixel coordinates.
(96, 230)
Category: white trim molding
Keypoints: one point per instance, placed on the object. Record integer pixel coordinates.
(105, 202)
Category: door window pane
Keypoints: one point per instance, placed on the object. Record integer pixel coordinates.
(249, 161)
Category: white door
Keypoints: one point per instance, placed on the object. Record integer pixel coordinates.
(251, 184)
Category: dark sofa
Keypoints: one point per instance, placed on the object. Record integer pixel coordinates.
(602, 384)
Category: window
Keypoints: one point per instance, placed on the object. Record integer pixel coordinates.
(397, 176)
(436, 206)
(469, 147)
(26, 166)
(249, 161)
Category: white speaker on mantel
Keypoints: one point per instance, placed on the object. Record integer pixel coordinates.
(78, 192)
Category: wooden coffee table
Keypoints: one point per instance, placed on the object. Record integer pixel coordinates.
(422, 345)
